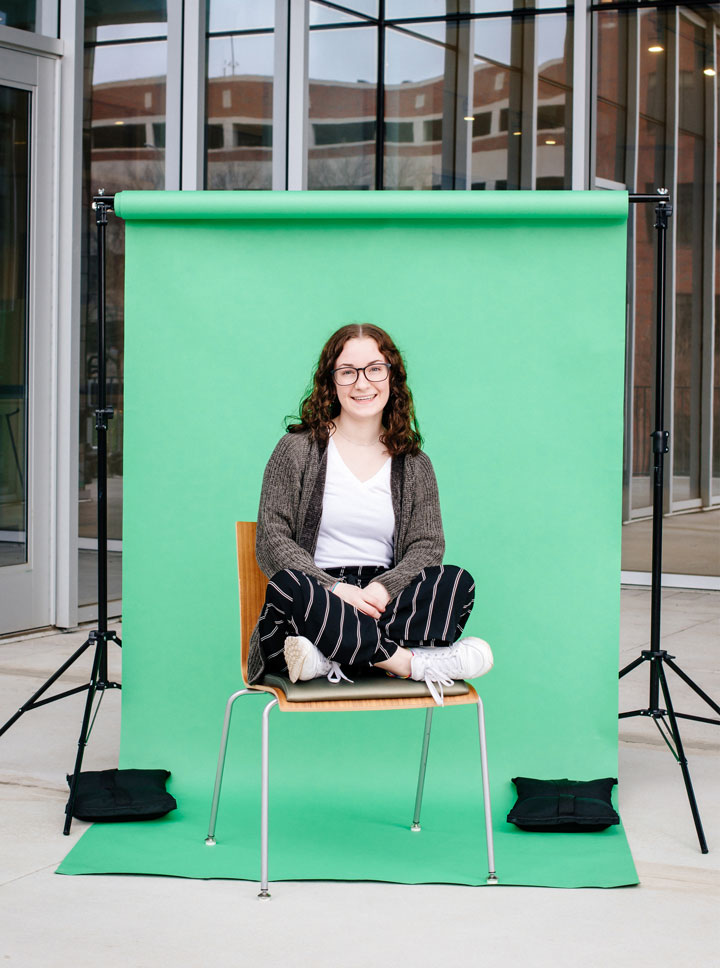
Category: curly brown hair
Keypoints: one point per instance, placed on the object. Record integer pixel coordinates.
(319, 408)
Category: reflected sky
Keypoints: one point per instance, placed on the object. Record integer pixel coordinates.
(234, 15)
(234, 56)
(130, 61)
(344, 55)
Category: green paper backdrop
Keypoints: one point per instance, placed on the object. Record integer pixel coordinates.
(510, 309)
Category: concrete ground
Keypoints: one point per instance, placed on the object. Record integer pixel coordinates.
(139, 922)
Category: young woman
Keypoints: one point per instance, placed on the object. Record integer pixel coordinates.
(350, 533)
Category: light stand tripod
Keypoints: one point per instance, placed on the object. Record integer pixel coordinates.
(657, 657)
(100, 636)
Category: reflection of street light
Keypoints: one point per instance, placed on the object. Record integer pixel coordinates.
(710, 71)
(468, 117)
(549, 141)
(656, 39)
(517, 134)
(119, 122)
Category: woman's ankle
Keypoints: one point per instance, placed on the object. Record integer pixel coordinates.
(399, 663)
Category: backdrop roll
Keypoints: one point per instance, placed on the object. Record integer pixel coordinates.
(510, 310)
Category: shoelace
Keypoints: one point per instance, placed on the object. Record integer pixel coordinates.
(336, 674)
(432, 676)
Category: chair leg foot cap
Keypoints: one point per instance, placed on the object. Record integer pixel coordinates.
(416, 828)
(264, 894)
(492, 878)
(210, 842)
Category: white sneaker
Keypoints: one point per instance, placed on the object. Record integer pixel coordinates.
(305, 661)
(466, 659)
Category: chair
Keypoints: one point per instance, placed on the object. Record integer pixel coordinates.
(318, 695)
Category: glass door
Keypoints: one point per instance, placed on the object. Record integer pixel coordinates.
(14, 238)
(25, 344)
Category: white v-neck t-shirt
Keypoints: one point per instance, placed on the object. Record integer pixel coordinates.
(358, 521)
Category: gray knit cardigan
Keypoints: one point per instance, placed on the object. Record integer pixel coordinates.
(291, 503)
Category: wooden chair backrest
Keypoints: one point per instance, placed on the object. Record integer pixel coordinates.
(252, 583)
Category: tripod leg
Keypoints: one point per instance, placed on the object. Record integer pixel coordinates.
(685, 678)
(682, 759)
(53, 678)
(632, 665)
(100, 647)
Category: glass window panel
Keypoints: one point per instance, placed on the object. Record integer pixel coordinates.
(113, 20)
(497, 104)
(420, 80)
(20, 14)
(342, 108)
(612, 55)
(650, 177)
(554, 100)
(398, 9)
(689, 261)
(239, 112)
(231, 15)
(321, 14)
(653, 57)
(123, 148)
(14, 233)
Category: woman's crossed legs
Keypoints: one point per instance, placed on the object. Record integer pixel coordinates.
(429, 612)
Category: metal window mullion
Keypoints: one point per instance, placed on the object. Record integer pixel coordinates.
(47, 18)
(592, 121)
(281, 54)
(528, 155)
(672, 93)
(298, 95)
(708, 317)
(173, 96)
(380, 100)
(632, 129)
(69, 184)
(465, 102)
(194, 87)
(580, 169)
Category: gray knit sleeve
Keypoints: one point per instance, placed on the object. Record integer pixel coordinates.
(275, 545)
(424, 543)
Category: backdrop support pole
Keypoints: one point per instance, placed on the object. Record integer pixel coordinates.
(657, 657)
(99, 637)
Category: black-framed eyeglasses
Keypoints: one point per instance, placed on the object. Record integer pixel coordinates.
(345, 376)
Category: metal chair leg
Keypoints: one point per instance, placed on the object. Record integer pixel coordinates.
(264, 796)
(210, 839)
(421, 776)
(492, 876)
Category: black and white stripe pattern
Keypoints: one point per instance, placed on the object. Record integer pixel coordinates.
(431, 611)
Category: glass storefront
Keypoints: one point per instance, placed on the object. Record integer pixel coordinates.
(123, 148)
(436, 95)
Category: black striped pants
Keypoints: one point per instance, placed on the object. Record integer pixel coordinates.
(431, 611)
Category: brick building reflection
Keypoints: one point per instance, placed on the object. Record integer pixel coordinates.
(128, 126)
(127, 132)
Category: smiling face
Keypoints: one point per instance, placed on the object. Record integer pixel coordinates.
(363, 398)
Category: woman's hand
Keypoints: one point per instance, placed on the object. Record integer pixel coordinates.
(371, 600)
(377, 594)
